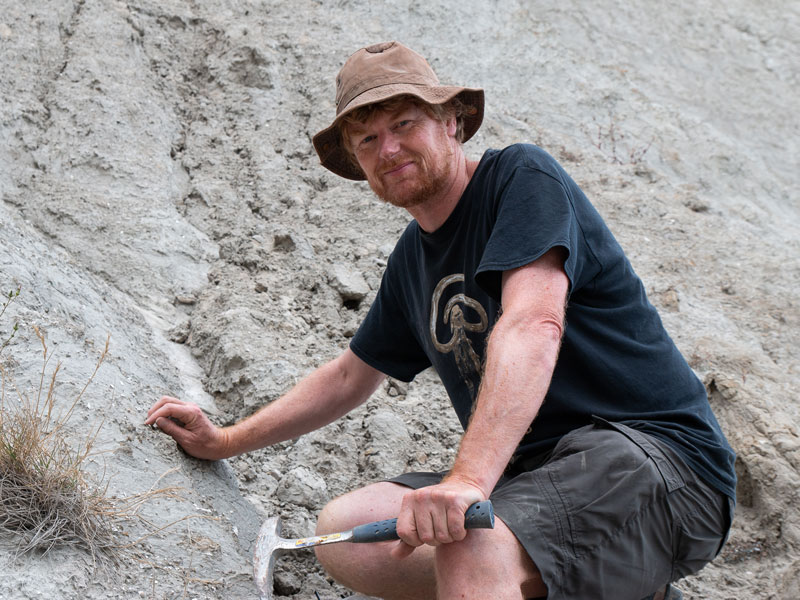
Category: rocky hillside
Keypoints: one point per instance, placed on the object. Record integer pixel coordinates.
(158, 185)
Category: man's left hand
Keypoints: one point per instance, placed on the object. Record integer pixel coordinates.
(434, 515)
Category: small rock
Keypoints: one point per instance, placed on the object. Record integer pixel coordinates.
(697, 205)
(396, 388)
(303, 487)
(261, 285)
(286, 583)
(291, 242)
(390, 444)
(723, 387)
(248, 473)
(283, 243)
(180, 333)
(669, 300)
(349, 283)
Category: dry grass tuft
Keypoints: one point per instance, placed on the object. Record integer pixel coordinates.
(46, 498)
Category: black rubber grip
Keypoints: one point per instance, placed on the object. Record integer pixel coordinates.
(478, 516)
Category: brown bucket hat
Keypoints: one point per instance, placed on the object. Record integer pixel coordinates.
(380, 72)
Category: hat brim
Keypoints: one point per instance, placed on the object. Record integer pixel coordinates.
(328, 144)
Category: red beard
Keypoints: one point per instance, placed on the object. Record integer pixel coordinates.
(426, 181)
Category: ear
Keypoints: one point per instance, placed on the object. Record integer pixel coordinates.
(452, 125)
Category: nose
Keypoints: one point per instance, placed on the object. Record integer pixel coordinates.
(389, 145)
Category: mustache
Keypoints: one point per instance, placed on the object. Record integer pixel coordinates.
(389, 165)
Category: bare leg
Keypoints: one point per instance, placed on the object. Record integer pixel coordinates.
(487, 564)
(369, 568)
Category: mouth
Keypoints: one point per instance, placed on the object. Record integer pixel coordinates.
(398, 169)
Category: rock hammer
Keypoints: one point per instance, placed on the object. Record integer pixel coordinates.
(270, 544)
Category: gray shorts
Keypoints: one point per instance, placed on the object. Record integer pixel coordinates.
(612, 513)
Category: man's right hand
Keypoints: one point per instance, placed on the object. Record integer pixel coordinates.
(190, 427)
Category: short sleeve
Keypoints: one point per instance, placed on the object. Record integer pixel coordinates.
(534, 213)
(385, 340)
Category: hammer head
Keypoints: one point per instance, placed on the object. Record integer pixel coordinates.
(269, 538)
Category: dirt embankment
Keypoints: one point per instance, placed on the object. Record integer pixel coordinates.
(158, 184)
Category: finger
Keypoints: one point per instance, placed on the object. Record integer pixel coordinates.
(455, 524)
(162, 401)
(407, 528)
(401, 550)
(171, 428)
(434, 521)
(432, 525)
(183, 412)
(449, 519)
(154, 415)
(426, 529)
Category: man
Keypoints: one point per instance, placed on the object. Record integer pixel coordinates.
(609, 474)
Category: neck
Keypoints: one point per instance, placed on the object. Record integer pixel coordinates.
(431, 214)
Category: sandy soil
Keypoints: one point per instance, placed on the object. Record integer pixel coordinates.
(158, 184)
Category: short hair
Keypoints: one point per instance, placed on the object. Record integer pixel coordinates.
(440, 112)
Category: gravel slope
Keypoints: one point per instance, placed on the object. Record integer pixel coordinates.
(158, 184)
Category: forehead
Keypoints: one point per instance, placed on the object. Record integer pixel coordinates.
(385, 111)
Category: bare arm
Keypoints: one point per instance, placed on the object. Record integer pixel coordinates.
(328, 393)
(520, 358)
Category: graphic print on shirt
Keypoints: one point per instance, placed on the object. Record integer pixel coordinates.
(454, 315)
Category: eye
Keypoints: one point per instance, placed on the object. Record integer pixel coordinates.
(403, 123)
(366, 140)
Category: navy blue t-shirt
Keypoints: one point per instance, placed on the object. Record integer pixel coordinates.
(441, 294)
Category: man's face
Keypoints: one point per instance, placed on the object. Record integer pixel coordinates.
(406, 154)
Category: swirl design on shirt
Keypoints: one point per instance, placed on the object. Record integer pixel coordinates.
(467, 360)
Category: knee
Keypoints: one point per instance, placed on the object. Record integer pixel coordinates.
(329, 517)
(341, 514)
(361, 567)
(334, 517)
(491, 559)
(465, 555)
(372, 503)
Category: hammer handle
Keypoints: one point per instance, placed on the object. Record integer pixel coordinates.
(478, 516)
